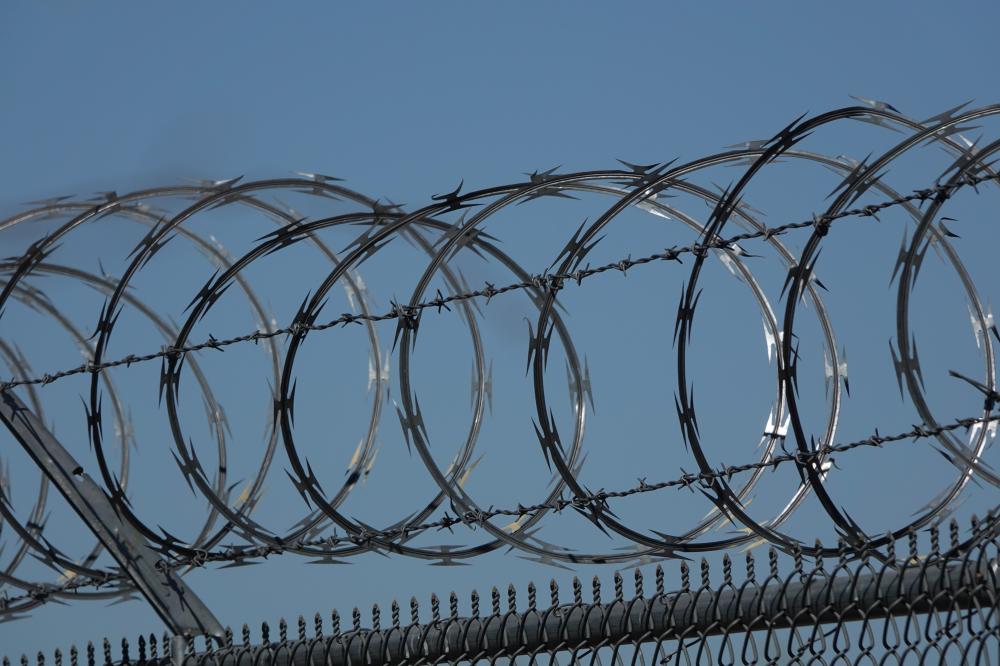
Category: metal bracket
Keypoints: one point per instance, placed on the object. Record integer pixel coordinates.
(176, 604)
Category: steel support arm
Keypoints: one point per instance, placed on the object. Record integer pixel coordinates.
(176, 604)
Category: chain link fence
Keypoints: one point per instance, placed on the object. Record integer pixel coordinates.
(866, 607)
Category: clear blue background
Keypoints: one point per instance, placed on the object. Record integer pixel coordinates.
(406, 99)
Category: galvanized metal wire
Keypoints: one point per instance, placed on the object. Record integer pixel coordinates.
(230, 532)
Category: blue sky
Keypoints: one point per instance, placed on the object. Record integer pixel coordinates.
(404, 100)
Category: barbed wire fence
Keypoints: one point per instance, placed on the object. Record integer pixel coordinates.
(865, 593)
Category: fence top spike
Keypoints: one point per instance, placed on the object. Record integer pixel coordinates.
(843, 549)
(435, 602)
(414, 611)
(318, 625)
(818, 545)
(435, 608)
(750, 564)
(772, 561)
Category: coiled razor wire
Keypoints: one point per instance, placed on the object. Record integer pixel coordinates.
(642, 187)
(939, 606)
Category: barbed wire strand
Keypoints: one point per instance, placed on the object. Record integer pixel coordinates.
(546, 281)
(473, 519)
